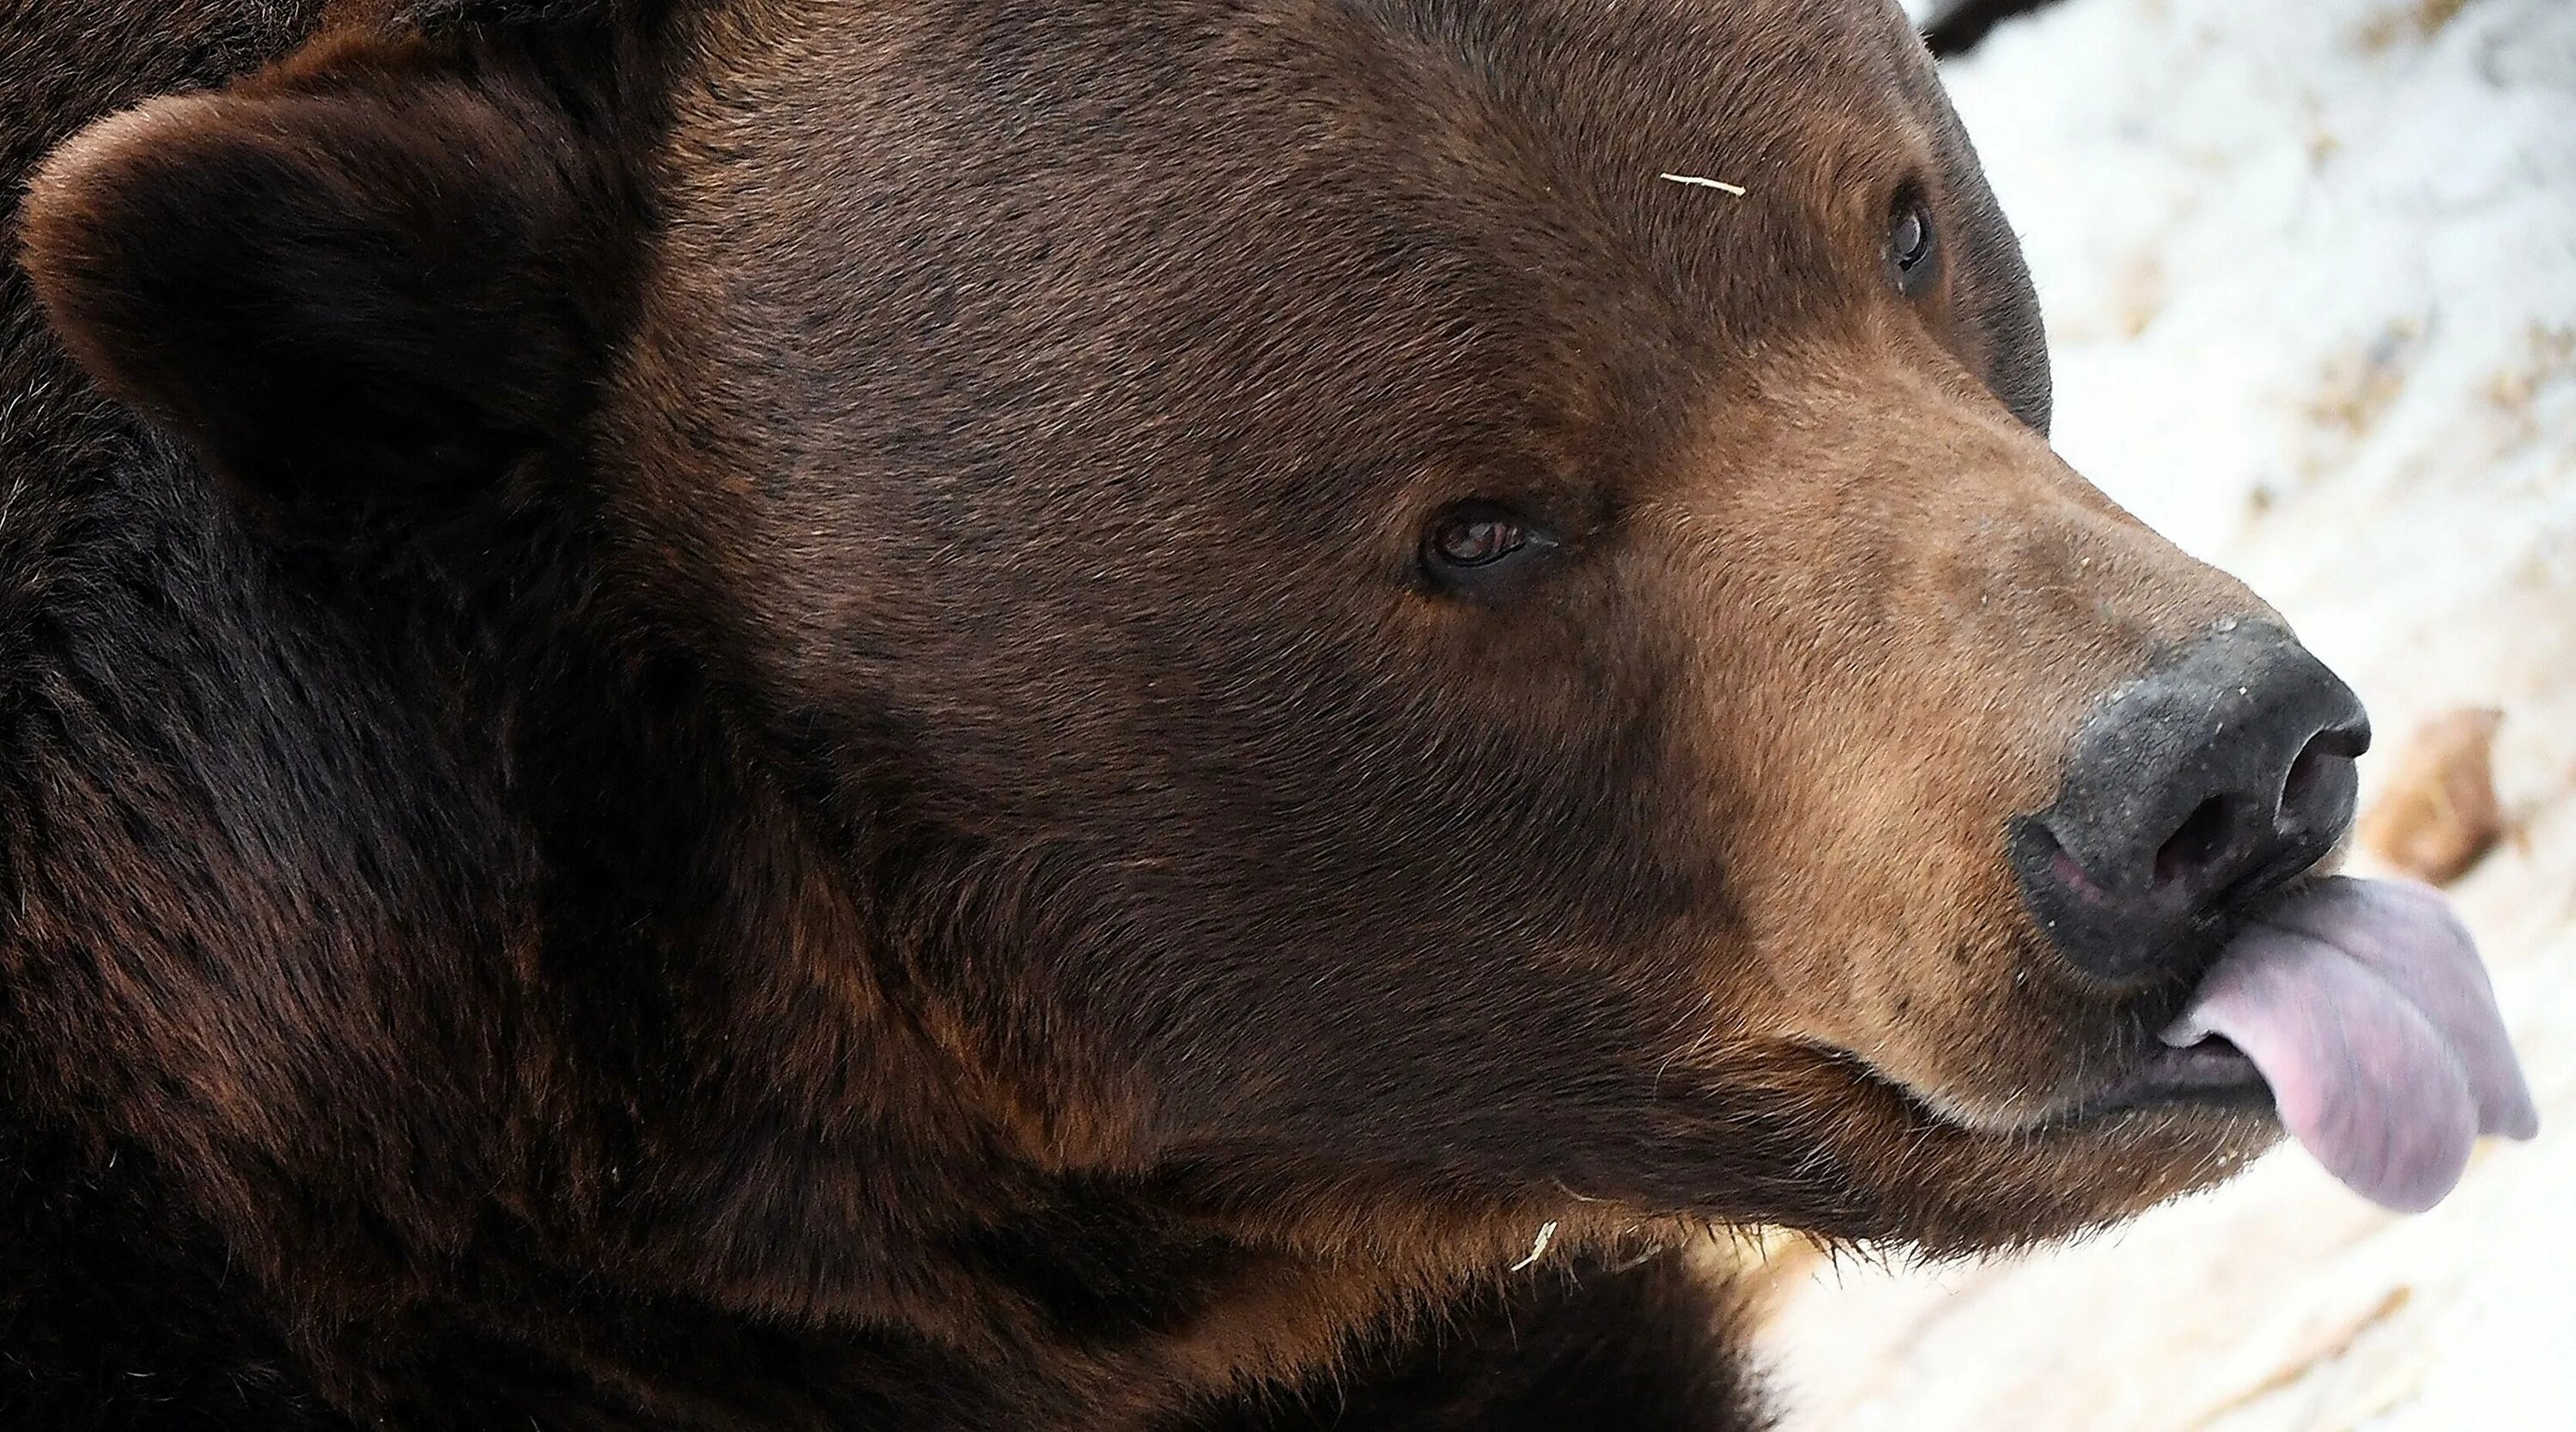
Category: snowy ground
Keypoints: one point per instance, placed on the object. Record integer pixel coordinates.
(2310, 270)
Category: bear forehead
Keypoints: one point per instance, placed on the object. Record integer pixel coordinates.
(1314, 197)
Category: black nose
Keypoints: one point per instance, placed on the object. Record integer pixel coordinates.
(2209, 781)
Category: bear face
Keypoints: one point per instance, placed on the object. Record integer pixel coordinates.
(1652, 856)
(1276, 621)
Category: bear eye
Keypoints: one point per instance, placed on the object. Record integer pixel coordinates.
(1912, 247)
(1476, 540)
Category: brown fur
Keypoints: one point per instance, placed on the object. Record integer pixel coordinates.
(797, 770)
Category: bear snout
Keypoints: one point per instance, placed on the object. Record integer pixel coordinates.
(2190, 794)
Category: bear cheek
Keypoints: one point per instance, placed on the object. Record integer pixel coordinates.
(1874, 921)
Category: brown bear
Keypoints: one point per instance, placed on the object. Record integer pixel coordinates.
(1176, 714)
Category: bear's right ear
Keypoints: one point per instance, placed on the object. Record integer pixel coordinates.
(372, 271)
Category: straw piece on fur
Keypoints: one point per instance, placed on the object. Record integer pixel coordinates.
(1538, 1250)
(1692, 179)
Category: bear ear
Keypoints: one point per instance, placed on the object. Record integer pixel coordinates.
(372, 271)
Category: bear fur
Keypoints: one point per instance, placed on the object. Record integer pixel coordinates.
(731, 715)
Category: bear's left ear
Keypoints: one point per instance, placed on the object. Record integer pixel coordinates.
(374, 271)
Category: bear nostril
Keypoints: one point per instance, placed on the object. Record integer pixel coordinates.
(2306, 783)
(2196, 844)
(2304, 775)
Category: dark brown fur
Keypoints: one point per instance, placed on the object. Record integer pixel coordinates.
(734, 725)
(1958, 27)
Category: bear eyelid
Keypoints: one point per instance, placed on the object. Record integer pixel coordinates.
(1913, 242)
(1480, 546)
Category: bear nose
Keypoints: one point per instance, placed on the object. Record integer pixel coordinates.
(2189, 793)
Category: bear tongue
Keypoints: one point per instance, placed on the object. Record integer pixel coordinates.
(2365, 1007)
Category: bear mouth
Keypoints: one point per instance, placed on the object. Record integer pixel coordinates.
(2357, 1016)
(2211, 1072)
(2211, 1076)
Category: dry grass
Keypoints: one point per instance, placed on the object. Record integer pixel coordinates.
(2420, 21)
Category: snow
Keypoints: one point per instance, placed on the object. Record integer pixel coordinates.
(2310, 271)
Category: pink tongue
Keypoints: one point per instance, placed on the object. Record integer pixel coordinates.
(2365, 1006)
